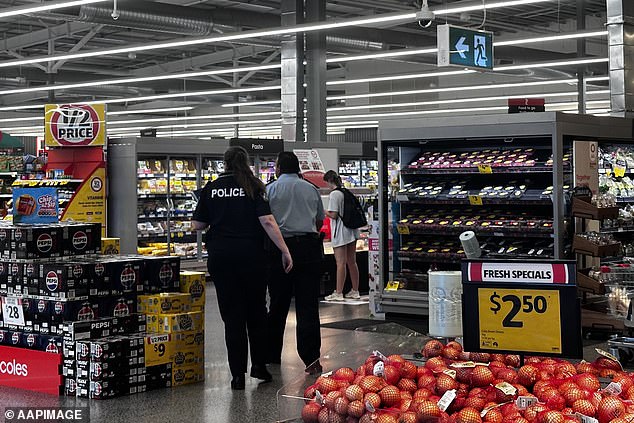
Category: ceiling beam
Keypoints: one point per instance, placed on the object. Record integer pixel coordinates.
(43, 35)
(80, 44)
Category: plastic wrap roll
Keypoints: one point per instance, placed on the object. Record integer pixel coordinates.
(445, 304)
(470, 244)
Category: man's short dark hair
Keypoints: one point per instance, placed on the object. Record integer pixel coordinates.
(288, 162)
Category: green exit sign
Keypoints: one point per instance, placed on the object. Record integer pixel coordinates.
(464, 47)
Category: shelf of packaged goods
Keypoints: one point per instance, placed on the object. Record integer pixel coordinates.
(177, 236)
(164, 216)
(8, 174)
(610, 171)
(151, 175)
(46, 182)
(625, 199)
(539, 168)
(628, 230)
(428, 258)
(165, 195)
(527, 200)
(454, 230)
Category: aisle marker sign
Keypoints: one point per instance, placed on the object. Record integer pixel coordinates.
(75, 125)
(521, 307)
(465, 47)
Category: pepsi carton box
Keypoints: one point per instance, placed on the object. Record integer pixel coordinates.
(162, 274)
(4, 337)
(14, 338)
(119, 306)
(50, 344)
(159, 376)
(98, 270)
(30, 280)
(4, 276)
(125, 274)
(81, 238)
(91, 329)
(15, 274)
(70, 387)
(73, 311)
(36, 241)
(132, 323)
(29, 340)
(63, 280)
(82, 351)
(5, 240)
(103, 350)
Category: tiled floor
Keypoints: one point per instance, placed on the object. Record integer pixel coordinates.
(213, 401)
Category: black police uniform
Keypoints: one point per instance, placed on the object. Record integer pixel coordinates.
(237, 265)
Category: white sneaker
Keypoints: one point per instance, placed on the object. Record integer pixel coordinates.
(335, 296)
(354, 295)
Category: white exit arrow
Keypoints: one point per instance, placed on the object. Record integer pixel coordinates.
(461, 47)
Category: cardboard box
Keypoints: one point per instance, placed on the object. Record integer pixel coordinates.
(189, 339)
(63, 280)
(36, 241)
(80, 238)
(188, 374)
(162, 274)
(73, 311)
(5, 240)
(110, 246)
(119, 306)
(181, 322)
(193, 283)
(188, 357)
(159, 348)
(165, 303)
(125, 274)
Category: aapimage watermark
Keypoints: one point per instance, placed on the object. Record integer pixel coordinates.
(46, 414)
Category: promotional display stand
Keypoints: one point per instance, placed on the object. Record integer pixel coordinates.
(521, 307)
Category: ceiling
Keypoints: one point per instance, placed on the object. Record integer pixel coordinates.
(90, 28)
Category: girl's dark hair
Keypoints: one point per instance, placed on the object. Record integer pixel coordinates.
(237, 162)
(332, 177)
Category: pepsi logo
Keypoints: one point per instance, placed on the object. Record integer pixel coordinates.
(41, 306)
(15, 338)
(128, 277)
(80, 240)
(44, 243)
(99, 269)
(59, 307)
(83, 350)
(165, 274)
(30, 270)
(30, 340)
(78, 271)
(15, 269)
(52, 281)
(86, 313)
(52, 348)
(71, 385)
(196, 289)
(121, 309)
(98, 351)
(97, 388)
(96, 370)
(17, 234)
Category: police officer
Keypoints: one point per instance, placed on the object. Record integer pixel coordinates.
(297, 207)
(235, 210)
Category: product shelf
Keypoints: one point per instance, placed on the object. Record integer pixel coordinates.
(453, 230)
(475, 170)
(443, 199)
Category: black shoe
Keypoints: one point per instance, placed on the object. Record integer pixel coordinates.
(260, 372)
(314, 369)
(237, 383)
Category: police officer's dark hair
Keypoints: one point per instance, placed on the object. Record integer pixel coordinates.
(288, 162)
(332, 177)
(237, 162)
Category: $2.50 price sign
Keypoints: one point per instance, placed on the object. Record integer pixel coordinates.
(520, 320)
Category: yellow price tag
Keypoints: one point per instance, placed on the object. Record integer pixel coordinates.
(520, 320)
(158, 349)
(403, 229)
(485, 169)
(619, 171)
(392, 286)
(475, 200)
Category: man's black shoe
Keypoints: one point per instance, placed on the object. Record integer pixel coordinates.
(237, 383)
(260, 372)
(314, 369)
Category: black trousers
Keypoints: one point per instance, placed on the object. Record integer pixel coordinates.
(240, 279)
(303, 283)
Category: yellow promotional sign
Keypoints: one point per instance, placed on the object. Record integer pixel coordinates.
(475, 200)
(75, 125)
(520, 320)
(88, 204)
(403, 229)
(485, 169)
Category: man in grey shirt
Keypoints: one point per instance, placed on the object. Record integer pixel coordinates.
(298, 210)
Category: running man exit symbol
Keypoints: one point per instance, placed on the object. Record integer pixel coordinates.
(464, 47)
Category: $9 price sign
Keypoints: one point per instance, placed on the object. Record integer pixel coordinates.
(520, 320)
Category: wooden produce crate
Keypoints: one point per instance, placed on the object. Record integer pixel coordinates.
(582, 207)
(583, 246)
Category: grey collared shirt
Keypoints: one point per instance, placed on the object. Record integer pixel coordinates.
(295, 204)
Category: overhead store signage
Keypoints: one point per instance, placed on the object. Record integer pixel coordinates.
(521, 307)
(526, 105)
(258, 146)
(464, 47)
(75, 125)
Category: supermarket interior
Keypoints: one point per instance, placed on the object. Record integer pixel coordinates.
(448, 185)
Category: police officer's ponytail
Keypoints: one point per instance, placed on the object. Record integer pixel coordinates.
(237, 162)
